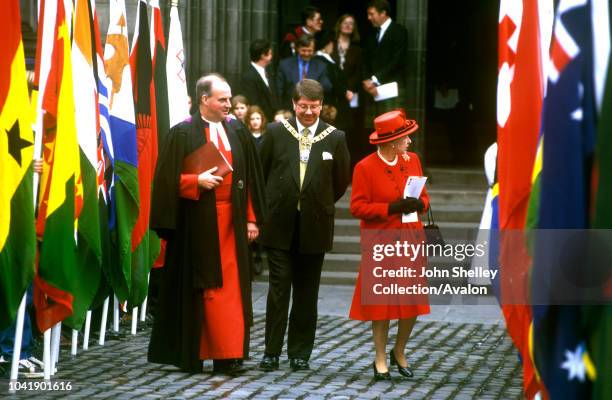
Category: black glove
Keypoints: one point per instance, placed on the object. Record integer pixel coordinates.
(406, 206)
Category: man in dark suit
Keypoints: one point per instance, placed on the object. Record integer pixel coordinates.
(384, 58)
(307, 169)
(301, 66)
(256, 84)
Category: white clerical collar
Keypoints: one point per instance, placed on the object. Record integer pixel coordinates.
(383, 28)
(312, 128)
(261, 71)
(216, 131)
(389, 163)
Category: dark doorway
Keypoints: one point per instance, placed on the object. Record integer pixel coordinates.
(462, 69)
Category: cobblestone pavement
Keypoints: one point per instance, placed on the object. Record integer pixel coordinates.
(450, 359)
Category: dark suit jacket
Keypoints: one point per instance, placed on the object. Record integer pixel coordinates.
(258, 93)
(324, 183)
(287, 77)
(387, 59)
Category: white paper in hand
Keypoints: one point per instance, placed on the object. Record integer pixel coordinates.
(387, 91)
(414, 187)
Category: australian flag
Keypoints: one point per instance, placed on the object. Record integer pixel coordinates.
(568, 124)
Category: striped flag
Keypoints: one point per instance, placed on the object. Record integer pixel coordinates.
(175, 69)
(61, 193)
(145, 244)
(17, 235)
(569, 136)
(125, 191)
(86, 105)
(519, 103)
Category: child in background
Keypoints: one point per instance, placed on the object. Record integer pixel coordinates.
(256, 122)
(282, 115)
(240, 105)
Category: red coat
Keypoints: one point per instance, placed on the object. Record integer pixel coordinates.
(375, 185)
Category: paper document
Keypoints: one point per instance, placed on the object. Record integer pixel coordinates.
(386, 91)
(354, 103)
(414, 187)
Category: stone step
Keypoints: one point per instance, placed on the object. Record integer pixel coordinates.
(454, 213)
(350, 262)
(350, 244)
(456, 176)
(461, 230)
(440, 195)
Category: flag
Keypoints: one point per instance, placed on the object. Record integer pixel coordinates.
(145, 245)
(59, 275)
(175, 69)
(104, 168)
(17, 235)
(158, 47)
(568, 126)
(519, 101)
(598, 318)
(124, 191)
(86, 110)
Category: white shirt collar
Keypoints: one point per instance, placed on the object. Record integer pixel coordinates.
(383, 28)
(312, 128)
(326, 56)
(306, 31)
(261, 71)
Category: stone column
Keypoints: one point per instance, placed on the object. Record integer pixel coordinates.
(217, 34)
(413, 15)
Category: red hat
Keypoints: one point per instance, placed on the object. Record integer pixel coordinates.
(392, 125)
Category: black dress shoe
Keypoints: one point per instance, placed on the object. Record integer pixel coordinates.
(231, 367)
(404, 371)
(380, 376)
(298, 364)
(269, 363)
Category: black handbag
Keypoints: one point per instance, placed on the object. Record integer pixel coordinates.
(432, 231)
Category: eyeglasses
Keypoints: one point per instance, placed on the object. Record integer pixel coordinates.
(304, 107)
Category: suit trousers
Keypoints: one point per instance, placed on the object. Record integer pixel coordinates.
(302, 273)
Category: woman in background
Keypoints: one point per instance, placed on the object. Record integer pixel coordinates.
(256, 122)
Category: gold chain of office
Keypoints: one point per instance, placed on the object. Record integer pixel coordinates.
(305, 140)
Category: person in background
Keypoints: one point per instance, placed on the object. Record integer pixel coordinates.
(329, 114)
(337, 97)
(240, 105)
(384, 59)
(377, 199)
(312, 24)
(205, 310)
(256, 123)
(257, 83)
(301, 66)
(348, 56)
(281, 115)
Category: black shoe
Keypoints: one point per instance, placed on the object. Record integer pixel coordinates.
(380, 376)
(405, 371)
(298, 364)
(232, 367)
(269, 363)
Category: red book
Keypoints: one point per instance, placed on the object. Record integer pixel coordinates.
(204, 158)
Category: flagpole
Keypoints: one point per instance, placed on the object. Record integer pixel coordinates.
(18, 339)
(134, 319)
(75, 342)
(87, 328)
(47, 354)
(103, 322)
(116, 314)
(143, 309)
(55, 349)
